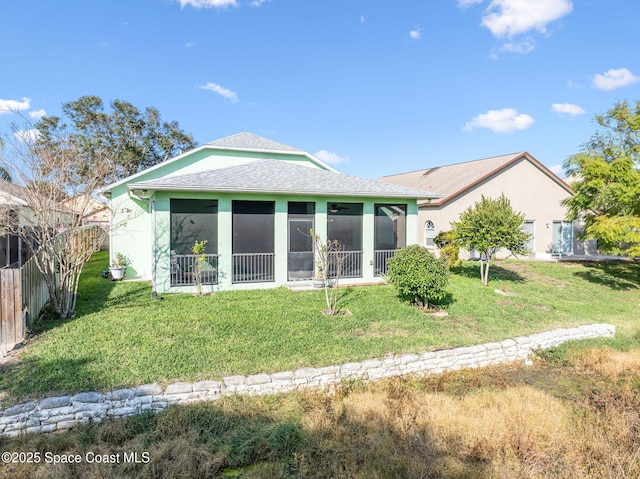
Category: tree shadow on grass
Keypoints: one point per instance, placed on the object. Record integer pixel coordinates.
(619, 275)
(26, 378)
(471, 269)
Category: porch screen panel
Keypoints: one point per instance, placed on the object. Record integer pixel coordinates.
(253, 226)
(253, 241)
(390, 234)
(345, 225)
(391, 227)
(191, 221)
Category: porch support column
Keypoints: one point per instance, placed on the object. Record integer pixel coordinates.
(412, 223)
(368, 240)
(225, 243)
(321, 219)
(281, 245)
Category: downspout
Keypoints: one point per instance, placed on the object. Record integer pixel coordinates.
(152, 208)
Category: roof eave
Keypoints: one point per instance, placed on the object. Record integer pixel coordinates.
(202, 189)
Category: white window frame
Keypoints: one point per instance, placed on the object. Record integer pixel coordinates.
(427, 237)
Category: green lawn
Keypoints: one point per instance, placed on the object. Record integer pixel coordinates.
(123, 337)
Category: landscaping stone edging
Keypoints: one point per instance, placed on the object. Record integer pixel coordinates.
(65, 412)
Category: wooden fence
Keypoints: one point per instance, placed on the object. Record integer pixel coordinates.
(24, 292)
(12, 321)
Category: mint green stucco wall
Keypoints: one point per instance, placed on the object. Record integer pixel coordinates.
(281, 245)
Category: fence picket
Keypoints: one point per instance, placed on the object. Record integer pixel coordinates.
(11, 320)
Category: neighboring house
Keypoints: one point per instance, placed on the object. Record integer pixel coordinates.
(17, 212)
(254, 201)
(530, 186)
(92, 213)
(14, 206)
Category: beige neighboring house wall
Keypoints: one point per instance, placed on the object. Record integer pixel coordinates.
(93, 213)
(530, 186)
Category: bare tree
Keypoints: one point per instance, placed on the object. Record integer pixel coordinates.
(330, 259)
(46, 177)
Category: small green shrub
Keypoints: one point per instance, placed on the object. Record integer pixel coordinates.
(418, 275)
(448, 248)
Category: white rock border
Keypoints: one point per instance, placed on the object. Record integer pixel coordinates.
(65, 412)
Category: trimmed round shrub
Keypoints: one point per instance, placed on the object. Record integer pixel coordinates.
(418, 275)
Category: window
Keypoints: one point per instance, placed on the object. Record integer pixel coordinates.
(562, 237)
(527, 227)
(429, 234)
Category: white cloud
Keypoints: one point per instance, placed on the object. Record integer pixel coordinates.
(330, 157)
(37, 114)
(8, 106)
(467, 3)
(257, 3)
(208, 3)
(557, 170)
(26, 136)
(506, 120)
(361, 18)
(220, 90)
(612, 79)
(189, 44)
(416, 33)
(567, 109)
(520, 48)
(506, 18)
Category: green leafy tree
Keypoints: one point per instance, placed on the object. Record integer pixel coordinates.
(449, 249)
(136, 139)
(606, 182)
(418, 275)
(486, 227)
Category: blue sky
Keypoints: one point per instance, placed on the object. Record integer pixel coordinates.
(372, 87)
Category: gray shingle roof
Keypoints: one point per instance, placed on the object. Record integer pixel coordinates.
(277, 176)
(14, 192)
(249, 141)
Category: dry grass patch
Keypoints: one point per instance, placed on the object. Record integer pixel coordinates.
(610, 364)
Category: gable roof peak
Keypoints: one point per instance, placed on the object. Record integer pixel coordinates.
(251, 141)
(454, 179)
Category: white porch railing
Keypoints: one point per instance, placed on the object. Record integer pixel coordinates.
(381, 258)
(186, 267)
(350, 263)
(253, 267)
